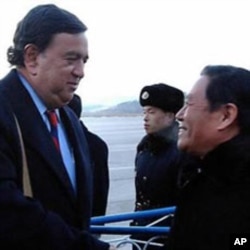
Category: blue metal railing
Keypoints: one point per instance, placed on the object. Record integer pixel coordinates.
(104, 229)
(129, 230)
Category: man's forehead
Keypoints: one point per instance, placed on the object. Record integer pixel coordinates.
(148, 107)
(199, 89)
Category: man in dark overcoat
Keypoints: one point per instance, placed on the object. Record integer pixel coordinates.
(213, 210)
(49, 53)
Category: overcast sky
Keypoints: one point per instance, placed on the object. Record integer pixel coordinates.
(133, 43)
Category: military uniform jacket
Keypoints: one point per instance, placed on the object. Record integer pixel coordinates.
(157, 162)
(57, 217)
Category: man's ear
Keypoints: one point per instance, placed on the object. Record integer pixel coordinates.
(30, 58)
(229, 113)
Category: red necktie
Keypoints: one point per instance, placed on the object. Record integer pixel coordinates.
(53, 127)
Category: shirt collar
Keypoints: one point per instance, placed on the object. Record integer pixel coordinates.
(36, 99)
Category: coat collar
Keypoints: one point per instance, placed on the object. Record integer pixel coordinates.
(159, 141)
(230, 161)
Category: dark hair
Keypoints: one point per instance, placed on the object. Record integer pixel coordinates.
(39, 26)
(229, 84)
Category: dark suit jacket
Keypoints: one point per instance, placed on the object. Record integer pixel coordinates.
(99, 161)
(57, 218)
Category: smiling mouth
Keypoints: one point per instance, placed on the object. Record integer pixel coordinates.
(73, 84)
(182, 129)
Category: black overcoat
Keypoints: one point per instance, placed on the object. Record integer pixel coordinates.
(57, 217)
(214, 207)
(99, 161)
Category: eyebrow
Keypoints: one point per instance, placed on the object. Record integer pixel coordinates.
(74, 53)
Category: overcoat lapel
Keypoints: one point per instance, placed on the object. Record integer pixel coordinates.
(81, 154)
(35, 133)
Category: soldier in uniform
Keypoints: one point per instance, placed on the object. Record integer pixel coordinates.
(157, 158)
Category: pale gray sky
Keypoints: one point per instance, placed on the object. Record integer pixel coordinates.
(133, 43)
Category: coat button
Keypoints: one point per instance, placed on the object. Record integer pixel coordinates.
(144, 178)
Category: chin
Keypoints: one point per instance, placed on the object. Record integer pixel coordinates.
(182, 145)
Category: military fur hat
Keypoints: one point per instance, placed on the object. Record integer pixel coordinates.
(162, 96)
